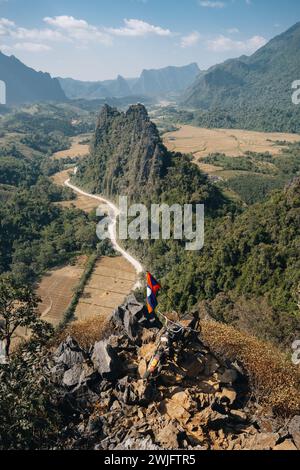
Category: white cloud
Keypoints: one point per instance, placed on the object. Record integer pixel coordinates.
(66, 22)
(78, 29)
(26, 46)
(233, 31)
(5, 26)
(211, 4)
(190, 39)
(134, 27)
(37, 34)
(224, 44)
(7, 23)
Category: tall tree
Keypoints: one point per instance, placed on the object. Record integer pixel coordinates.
(18, 308)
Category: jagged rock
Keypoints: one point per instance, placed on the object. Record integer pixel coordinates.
(212, 417)
(142, 367)
(211, 365)
(95, 425)
(286, 445)
(239, 415)
(57, 373)
(130, 316)
(192, 365)
(265, 423)
(226, 396)
(228, 377)
(208, 386)
(69, 353)
(137, 444)
(204, 399)
(184, 399)
(168, 378)
(294, 430)
(115, 406)
(137, 392)
(80, 397)
(167, 437)
(195, 430)
(80, 373)
(146, 351)
(261, 441)
(105, 359)
(175, 411)
(187, 406)
(125, 392)
(72, 376)
(141, 390)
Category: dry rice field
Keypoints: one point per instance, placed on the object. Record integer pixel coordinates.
(76, 149)
(201, 142)
(56, 291)
(110, 283)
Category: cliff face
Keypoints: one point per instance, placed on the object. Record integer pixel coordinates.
(25, 85)
(127, 155)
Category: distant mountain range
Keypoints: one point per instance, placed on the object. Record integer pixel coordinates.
(25, 85)
(151, 83)
(262, 80)
(249, 92)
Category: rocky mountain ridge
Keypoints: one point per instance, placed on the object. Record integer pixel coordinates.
(196, 401)
(126, 154)
(25, 85)
(154, 83)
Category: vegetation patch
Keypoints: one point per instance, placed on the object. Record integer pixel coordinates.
(275, 382)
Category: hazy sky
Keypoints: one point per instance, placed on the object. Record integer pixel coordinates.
(98, 39)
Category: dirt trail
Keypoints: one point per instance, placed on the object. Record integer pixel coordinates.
(113, 278)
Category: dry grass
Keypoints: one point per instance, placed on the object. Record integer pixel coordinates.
(76, 149)
(86, 332)
(275, 382)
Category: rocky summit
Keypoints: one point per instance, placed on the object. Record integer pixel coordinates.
(127, 154)
(194, 400)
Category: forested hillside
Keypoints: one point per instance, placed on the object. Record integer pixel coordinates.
(35, 232)
(248, 271)
(251, 92)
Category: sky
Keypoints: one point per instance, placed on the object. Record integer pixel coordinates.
(99, 39)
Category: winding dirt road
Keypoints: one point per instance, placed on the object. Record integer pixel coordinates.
(113, 278)
(113, 214)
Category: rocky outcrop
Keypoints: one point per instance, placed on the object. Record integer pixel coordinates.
(192, 401)
(127, 155)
